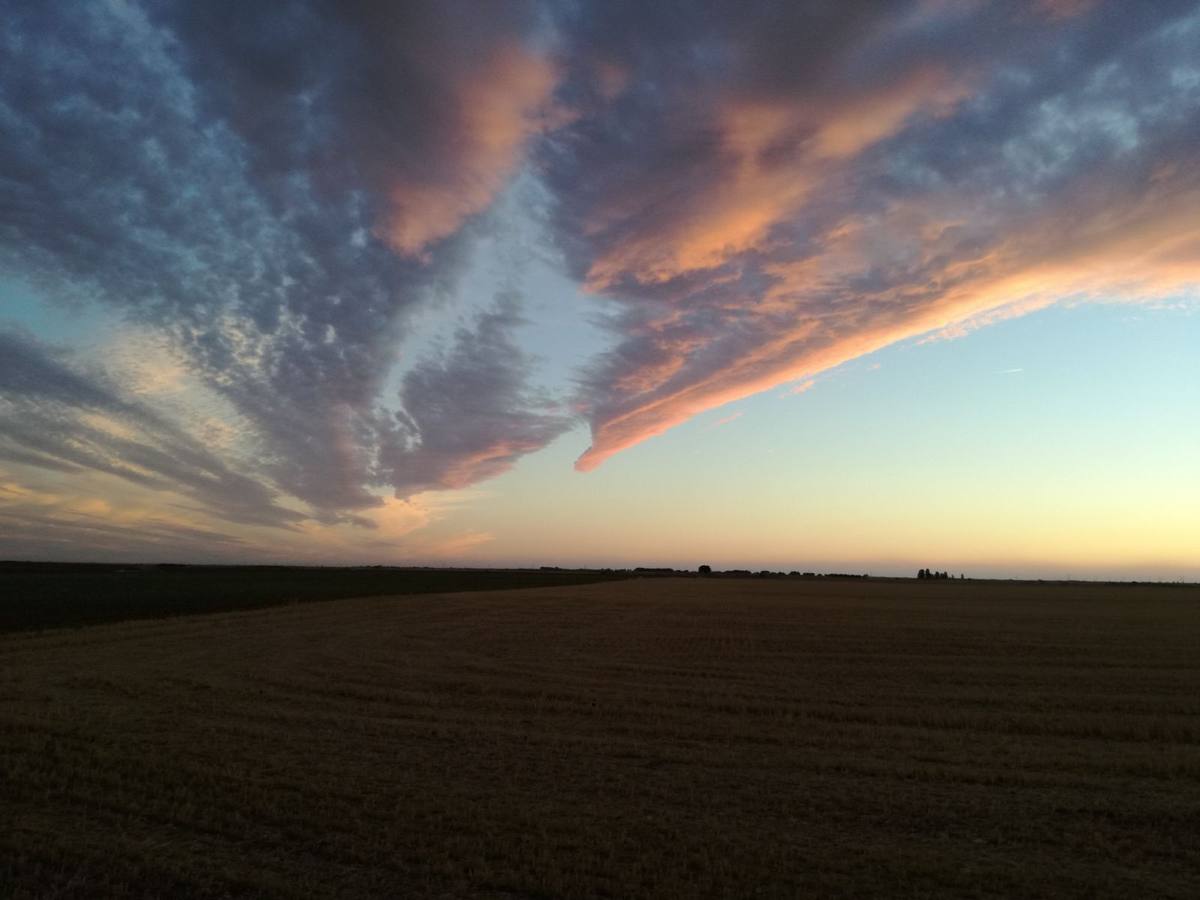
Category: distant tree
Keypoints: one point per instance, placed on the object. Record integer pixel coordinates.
(922, 573)
(706, 570)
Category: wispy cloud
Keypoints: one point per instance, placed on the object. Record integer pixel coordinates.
(725, 420)
(55, 417)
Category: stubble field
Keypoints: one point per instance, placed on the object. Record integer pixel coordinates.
(652, 737)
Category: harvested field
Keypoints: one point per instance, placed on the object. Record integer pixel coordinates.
(652, 737)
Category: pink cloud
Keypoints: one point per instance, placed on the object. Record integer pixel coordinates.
(497, 105)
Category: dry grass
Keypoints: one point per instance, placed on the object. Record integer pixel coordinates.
(642, 738)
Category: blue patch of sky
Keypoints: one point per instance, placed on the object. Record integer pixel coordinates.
(560, 331)
(1114, 383)
(72, 322)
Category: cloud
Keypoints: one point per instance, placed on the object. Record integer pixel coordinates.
(57, 418)
(274, 188)
(469, 414)
(426, 105)
(502, 103)
(39, 524)
(725, 420)
(1063, 9)
(782, 188)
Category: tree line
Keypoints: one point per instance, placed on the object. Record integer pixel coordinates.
(929, 573)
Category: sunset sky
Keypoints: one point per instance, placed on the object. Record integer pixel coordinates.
(826, 286)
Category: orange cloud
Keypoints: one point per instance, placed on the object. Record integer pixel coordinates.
(500, 103)
(776, 152)
(852, 127)
(492, 460)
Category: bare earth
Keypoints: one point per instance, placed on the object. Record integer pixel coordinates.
(672, 738)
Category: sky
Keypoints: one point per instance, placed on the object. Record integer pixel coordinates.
(858, 287)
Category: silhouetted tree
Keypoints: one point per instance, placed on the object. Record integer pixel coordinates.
(706, 570)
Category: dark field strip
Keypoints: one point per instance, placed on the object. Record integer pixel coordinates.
(644, 738)
(55, 595)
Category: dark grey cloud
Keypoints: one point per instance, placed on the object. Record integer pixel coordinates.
(362, 94)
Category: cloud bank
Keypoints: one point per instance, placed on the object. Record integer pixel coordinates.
(779, 188)
(754, 191)
(275, 188)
